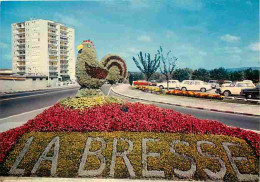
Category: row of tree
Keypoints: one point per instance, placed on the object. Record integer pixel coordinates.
(166, 63)
(219, 74)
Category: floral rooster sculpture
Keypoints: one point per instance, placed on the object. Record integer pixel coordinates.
(92, 74)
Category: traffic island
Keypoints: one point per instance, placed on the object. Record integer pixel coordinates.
(111, 138)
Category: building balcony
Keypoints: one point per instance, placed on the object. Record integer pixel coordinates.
(20, 27)
(21, 60)
(51, 43)
(21, 38)
(21, 66)
(63, 29)
(64, 40)
(53, 74)
(64, 54)
(64, 74)
(53, 71)
(20, 33)
(21, 49)
(21, 71)
(21, 53)
(52, 39)
(53, 60)
(53, 33)
(20, 42)
(64, 68)
(53, 53)
(52, 27)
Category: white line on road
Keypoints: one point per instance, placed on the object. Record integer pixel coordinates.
(38, 94)
(24, 113)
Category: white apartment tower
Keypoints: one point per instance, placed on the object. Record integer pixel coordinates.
(43, 48)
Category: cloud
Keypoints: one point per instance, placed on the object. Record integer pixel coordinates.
(68, 20)
(190, 5)
(170, 34)
(133, 50)
(3, 45)
(230, 38)
(232, 50)
(255, 46)
(144, 38)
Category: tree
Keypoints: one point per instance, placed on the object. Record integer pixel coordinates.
(219, 74)
(131, 79)
(252, 75)
(201, 74)
(237, 75)
(182, 74)
(168, 64)
(149, 66)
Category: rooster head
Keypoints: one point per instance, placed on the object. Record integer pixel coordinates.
(87, 45)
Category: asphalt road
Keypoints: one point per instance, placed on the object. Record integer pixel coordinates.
(13, 104)
(235, 120)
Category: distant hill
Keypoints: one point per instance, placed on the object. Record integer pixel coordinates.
(242, 69)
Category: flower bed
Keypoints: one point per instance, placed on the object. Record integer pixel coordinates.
(134, 117)
(195, 94)
(148, 88)
(86, 102)
(180, 93)
(72, 145)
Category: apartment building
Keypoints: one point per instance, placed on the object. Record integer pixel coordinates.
(43, 48)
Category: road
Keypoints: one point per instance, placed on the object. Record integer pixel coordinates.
(13, 104)
(17, 104)
(235, 120)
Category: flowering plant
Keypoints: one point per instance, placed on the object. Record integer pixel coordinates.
(134, 117)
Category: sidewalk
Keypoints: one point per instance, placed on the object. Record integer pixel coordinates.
(205, 104)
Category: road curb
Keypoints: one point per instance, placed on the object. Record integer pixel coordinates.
(201, 108)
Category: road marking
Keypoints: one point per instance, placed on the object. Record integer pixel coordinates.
(25, 113)
(37, 94)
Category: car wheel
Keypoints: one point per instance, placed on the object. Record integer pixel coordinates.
(249, 96)
(183, 89)
(161, 87)
(227, 93)
(203, 90)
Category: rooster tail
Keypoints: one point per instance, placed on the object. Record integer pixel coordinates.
(111, 60)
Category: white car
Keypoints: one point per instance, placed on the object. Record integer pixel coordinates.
(226, 83)
(172, 84)
(196, 85)
(234, 88)
(214, 84)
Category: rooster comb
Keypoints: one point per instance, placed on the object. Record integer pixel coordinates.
(89, 41)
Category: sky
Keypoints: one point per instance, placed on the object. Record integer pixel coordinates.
(200, 33)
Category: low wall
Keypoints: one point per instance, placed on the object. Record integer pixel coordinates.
(27, 84)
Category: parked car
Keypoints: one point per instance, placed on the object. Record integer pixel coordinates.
(234, 88)
(196, 85)
(251, 93)
(141, 82)
(172, 84)
(153, 82)
(226, 83)
(214, 84)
